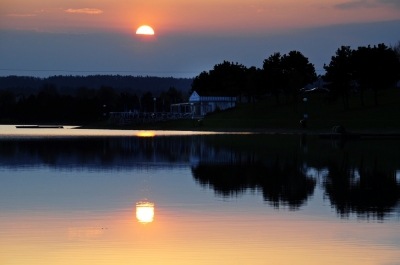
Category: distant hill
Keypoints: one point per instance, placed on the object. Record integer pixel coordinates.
(68, 84)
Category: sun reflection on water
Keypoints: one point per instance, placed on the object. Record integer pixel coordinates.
(146, 134)
(145, 212)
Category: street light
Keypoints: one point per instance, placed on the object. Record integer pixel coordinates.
(155, 110)
(305, 108)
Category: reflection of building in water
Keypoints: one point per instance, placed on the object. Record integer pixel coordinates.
(145, 212)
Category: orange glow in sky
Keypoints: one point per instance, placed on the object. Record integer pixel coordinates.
(220, 16)
(190, 36)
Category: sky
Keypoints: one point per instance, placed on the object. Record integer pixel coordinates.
(84, 37)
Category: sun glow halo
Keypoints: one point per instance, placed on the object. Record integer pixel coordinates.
(145, 30)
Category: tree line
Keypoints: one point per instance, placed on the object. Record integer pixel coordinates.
(350, 70)
(373, 68)
(67, 85)
(86, 105)
(365, 68)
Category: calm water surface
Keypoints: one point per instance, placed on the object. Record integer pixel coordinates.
(72, 196)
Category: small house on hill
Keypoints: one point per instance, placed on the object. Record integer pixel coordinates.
(201, 105)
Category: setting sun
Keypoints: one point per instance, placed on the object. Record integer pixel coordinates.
(145, 30)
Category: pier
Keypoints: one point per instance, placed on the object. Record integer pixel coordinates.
(39, 127)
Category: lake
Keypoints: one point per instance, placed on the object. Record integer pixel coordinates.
(72, 196)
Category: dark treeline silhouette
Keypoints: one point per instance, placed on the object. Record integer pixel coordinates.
(85, 99)
(366, 68)
(85, 106)
(287, 73)
(67, 85)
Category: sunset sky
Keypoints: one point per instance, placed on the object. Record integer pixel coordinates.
(71, 37)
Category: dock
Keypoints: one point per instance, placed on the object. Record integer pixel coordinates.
(39, 127)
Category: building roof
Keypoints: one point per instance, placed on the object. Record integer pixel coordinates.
(196, 98)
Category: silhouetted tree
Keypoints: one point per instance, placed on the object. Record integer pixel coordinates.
(127, 102)
(85, 93)
(254, 84)
(396, 49)
(339, 74)
(289, 72)
(48, 103)
(169, 97)
(147, 102)
(224, 79)
(273, 75)
(229, 78)
(297, 72)
(7, 104)
(107, 96)
(86, 106)
(376, 68)
(201, 83)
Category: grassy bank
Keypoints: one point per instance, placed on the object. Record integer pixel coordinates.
(267, 115)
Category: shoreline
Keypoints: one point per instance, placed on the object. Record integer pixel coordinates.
(239, 130)
(230, 130)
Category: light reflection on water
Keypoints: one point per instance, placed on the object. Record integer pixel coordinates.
(145, 211)
(218, 202)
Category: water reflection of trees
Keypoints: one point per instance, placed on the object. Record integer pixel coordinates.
(282, 182)
(96, 152)
(365, 190)
(355, 180)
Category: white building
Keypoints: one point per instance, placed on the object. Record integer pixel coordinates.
(201, 105)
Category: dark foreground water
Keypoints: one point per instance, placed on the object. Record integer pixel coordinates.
(112, 197)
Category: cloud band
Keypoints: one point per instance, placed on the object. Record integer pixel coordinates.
(90, 11)
(368, 4)
(21, 15)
